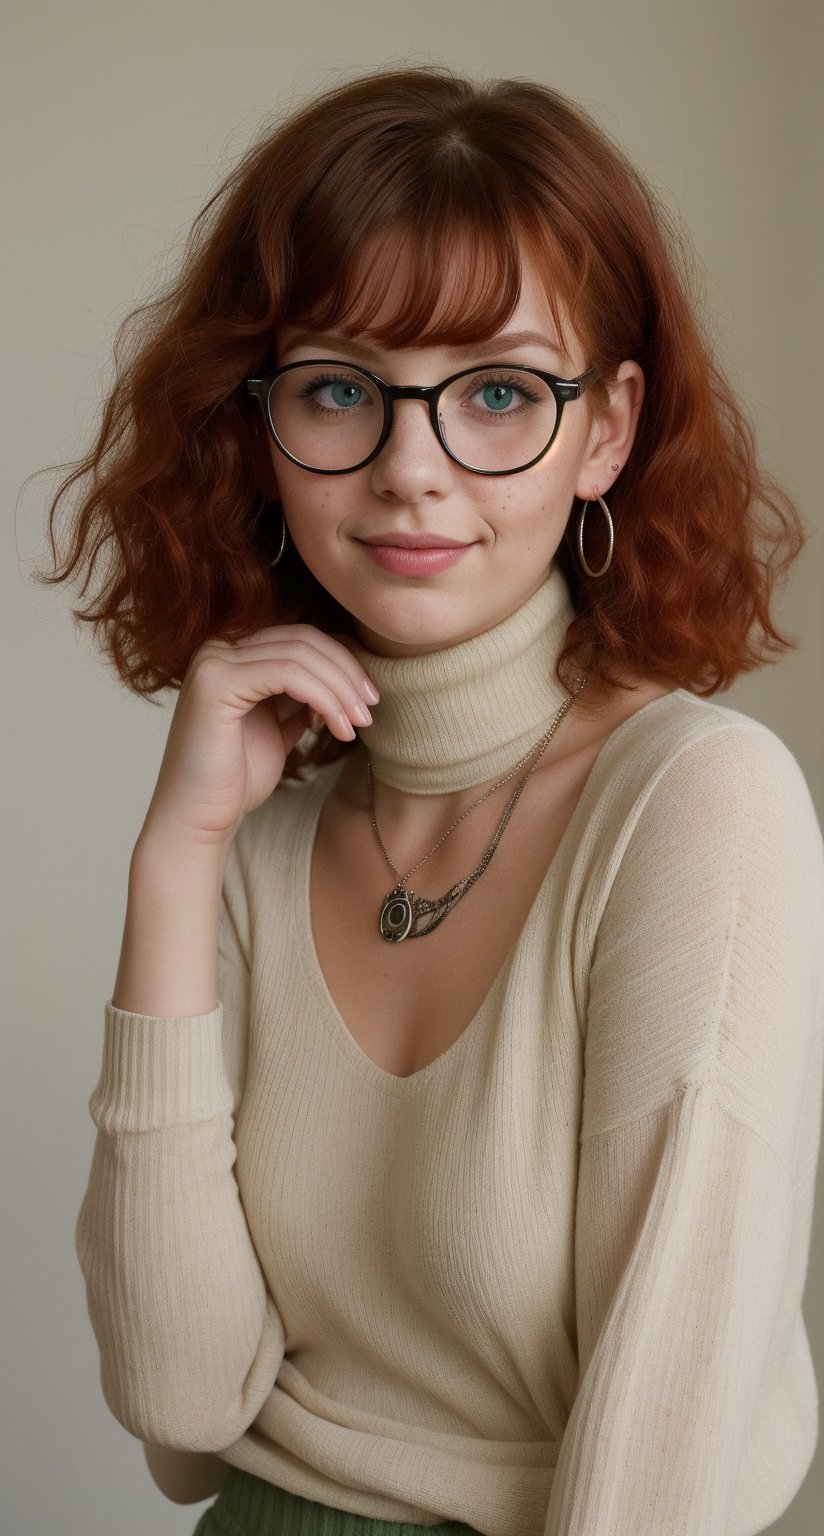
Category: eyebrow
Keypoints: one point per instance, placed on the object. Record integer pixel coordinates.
(472, 349)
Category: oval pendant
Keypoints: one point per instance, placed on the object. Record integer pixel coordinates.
(396, 915)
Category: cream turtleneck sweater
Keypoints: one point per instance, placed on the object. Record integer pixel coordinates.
(550, 1284)
(460, 716)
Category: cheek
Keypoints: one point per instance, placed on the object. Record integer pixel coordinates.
(536, 511)
(318, 515)
(308, 501)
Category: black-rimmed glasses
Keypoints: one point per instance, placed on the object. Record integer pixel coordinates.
(332, 417)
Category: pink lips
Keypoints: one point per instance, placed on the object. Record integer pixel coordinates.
(416, 561)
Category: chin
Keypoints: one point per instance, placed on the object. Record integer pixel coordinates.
(400, 630)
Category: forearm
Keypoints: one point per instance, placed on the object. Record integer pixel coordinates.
(168, 958)
(190, 1341)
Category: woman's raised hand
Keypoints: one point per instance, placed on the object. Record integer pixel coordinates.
(241, 709)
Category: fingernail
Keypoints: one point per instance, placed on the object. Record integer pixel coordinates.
(370, 692)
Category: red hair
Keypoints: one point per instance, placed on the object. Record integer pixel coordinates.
(420, 159)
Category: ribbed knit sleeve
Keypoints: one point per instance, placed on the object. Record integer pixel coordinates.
(697, 1155)
(190, 1341)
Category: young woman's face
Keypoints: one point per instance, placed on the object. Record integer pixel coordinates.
(509, 525)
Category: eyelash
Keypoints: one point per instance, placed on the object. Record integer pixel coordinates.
(513, 383)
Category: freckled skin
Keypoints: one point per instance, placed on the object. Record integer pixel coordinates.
(515, 522)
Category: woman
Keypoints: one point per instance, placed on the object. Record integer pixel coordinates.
(427, 495)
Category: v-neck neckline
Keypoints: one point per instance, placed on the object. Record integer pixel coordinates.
(389, 1082)
(306, 832)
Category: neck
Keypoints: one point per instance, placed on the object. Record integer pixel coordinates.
(462, 716)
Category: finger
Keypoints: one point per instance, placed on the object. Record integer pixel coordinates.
(332, 648)
(263, 677)
(312, 659)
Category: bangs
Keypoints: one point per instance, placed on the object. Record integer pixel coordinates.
(422, 199)
(442, 282)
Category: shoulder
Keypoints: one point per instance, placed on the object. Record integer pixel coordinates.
(686, 788)
(700, 928)
(705, 753)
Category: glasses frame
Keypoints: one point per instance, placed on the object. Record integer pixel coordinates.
(563, 390)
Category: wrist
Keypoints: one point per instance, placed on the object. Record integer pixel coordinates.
(162, 846)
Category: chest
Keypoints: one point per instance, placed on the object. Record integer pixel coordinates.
(406, 1003)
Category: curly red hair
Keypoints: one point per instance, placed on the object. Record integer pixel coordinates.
(422, 158)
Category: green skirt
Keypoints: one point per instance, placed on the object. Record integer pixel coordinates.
(249, 1506)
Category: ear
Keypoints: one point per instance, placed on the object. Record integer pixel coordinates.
(612, 433)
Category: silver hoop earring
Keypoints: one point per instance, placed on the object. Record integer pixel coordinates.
(605, 509)
(279, 556)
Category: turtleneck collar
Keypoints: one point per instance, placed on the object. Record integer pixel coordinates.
(456, 717)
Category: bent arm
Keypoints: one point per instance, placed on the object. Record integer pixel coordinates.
(190, 1340)
(701, 1121)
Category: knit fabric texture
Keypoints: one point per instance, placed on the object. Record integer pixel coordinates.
(551, 1284)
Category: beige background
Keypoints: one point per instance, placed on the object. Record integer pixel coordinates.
(119, 119)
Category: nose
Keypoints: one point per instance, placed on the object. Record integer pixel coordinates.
(412, 462)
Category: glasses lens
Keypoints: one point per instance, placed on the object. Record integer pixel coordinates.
(497, 418)
(327, 417)
(331, 417)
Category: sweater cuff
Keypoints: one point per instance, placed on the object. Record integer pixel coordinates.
(160, 1072)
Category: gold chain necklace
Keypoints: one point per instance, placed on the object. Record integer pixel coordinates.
(401, 910)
